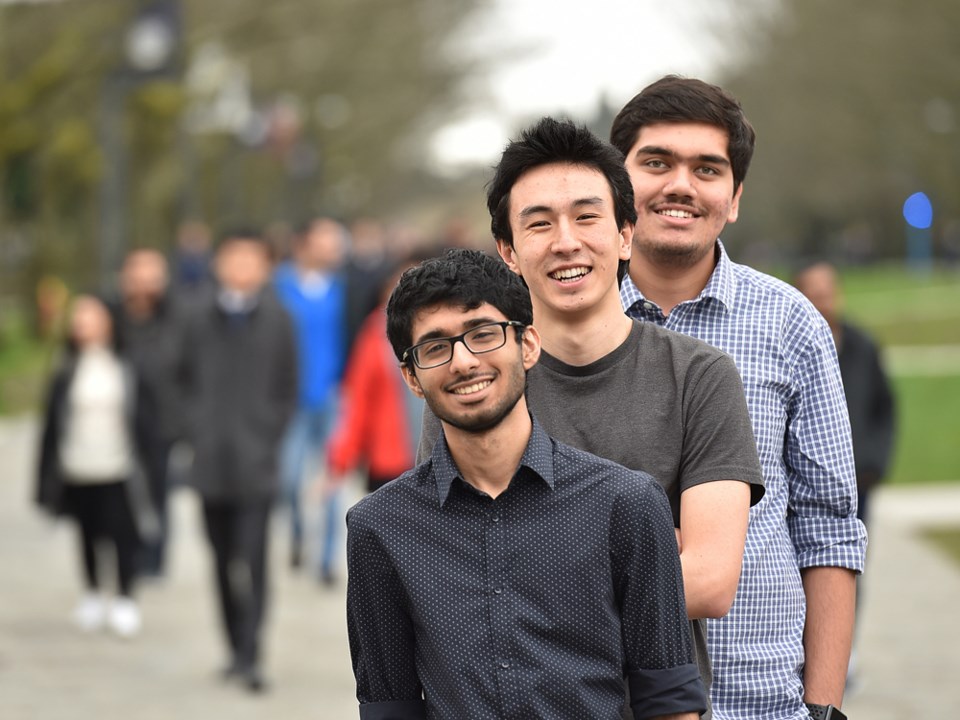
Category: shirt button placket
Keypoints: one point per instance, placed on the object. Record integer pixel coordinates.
(499, 610)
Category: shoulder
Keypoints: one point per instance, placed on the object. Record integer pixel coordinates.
(395, 498)
(612, 478)
(688, 356)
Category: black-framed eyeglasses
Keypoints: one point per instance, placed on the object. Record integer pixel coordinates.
(439, 351)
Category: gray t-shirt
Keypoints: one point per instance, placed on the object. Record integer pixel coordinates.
(662, 402)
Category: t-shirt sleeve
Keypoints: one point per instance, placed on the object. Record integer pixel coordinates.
(719, 443)
(648, 582)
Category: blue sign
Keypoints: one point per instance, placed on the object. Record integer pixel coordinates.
(918, 211)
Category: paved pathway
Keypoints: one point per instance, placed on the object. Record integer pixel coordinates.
(909, 647)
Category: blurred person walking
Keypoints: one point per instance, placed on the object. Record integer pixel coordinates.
(866, 386)
(312, 289)
(95, 454)
(241, 383)
(151, 325)
(380, 422)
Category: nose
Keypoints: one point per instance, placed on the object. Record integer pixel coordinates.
(463, 360)
(680, 182)
(565, 239)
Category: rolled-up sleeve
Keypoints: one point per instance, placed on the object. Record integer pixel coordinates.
(822, 517)
(379, 629)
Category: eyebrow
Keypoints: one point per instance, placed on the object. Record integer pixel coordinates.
(706, 157)
(580, 202)
(467, 326)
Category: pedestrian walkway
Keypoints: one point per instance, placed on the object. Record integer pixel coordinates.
(909, 645)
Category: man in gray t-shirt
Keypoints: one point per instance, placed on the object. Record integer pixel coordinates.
(562, 213)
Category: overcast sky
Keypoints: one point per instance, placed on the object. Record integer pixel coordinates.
(560, 56)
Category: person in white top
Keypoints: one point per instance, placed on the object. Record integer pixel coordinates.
(90, 461)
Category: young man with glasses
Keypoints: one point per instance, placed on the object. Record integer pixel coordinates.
(509, 575)
(562, 214)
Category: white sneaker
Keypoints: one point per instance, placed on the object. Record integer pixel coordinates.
(124, 617)
(90, 612)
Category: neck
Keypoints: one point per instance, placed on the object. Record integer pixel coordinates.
(488, 460)
(668, 285)
(580, 339)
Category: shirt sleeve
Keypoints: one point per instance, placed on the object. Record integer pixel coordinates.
(648, 581)
(818, 453)
(379, 629)
(719, 443)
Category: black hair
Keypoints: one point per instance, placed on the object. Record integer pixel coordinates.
(558, 141)
(675, 99)
(243, 233)
(468, 278)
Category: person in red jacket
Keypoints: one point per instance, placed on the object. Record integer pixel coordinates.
(380, 422)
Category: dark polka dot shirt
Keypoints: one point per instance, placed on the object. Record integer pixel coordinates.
(535, 604)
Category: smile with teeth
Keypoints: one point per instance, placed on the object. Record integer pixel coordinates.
(468, 389)
(570, 274)
(676, 213)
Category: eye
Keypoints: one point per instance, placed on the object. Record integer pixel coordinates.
(434, 349)
(588, 216)
(655, 163)
(707, 170)
(483, 335)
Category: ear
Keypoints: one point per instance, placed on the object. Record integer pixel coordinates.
(735, 205)
(410, 378)
(530, 346)
(626, 241)
(509, 255)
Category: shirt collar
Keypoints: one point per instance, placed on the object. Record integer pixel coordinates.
(538, 458)
(721, 286)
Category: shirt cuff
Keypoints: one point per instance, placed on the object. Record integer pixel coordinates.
(394, 710)
(667, 692)
(829, 541)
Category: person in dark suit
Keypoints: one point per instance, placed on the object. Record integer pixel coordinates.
(241, 383)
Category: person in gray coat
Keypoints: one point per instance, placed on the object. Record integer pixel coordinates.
(240, 374)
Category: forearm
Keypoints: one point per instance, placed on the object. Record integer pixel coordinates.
(828, 632)
(713, 519)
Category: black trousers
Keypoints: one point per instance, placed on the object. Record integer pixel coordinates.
(153, 554)
(237, 532)
(103, 513)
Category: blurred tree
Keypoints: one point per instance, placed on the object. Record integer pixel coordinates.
(856, 107)
(335, 91)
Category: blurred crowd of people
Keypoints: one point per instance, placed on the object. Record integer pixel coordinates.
(254, 369)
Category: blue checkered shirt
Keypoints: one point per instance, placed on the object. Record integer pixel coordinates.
(807, 518)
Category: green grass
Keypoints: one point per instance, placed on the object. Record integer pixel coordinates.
(928, 422)
(903, 308)
(24, 364)
(947, 539)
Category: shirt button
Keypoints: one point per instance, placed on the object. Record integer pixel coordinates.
(647, 305)
(496, 518)
(497, 591)
(504, 664)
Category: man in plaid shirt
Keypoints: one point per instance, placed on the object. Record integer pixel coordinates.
(786, 640)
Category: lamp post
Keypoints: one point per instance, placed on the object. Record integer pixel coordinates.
(150, 45)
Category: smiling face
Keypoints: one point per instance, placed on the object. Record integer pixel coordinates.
(683, 191)
(566, 243)
(473, 393)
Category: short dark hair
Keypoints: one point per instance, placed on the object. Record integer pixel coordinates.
(243, 233)
(468, 278)
(558, 141)
(675, 99)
